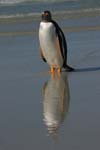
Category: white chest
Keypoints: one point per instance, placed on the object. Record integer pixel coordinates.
(47, 33)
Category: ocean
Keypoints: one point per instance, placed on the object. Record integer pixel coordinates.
(33, 7)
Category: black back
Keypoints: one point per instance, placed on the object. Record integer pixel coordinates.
(62, 41)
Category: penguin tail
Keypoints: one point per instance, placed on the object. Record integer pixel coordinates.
(68, 68)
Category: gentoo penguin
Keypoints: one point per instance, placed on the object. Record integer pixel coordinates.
(55, 102)
(53, 46)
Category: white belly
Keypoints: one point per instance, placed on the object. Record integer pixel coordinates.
(47, 37)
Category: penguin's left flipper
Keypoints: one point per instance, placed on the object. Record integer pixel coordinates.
(41, 53)
(58, 45)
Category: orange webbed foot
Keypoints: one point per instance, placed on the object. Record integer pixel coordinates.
(59, 70)
(52, 70)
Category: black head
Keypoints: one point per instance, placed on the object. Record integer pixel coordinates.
(46, 16)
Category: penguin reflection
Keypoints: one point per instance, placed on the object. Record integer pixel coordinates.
(56, 102)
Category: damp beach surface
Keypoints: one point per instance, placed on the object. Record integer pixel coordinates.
(25, 82)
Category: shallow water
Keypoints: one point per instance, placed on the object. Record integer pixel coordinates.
(25, 82)
(28, 93)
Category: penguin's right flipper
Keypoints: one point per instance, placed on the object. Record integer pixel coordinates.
(42, 56)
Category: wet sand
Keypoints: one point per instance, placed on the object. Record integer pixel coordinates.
(25, 83)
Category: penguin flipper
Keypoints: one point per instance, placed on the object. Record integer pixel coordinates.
(42, 56)
(58, 45)
(62, 41)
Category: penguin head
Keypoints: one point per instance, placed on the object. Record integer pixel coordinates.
(46, 16)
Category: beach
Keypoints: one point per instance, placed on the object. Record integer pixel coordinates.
(25, 78)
